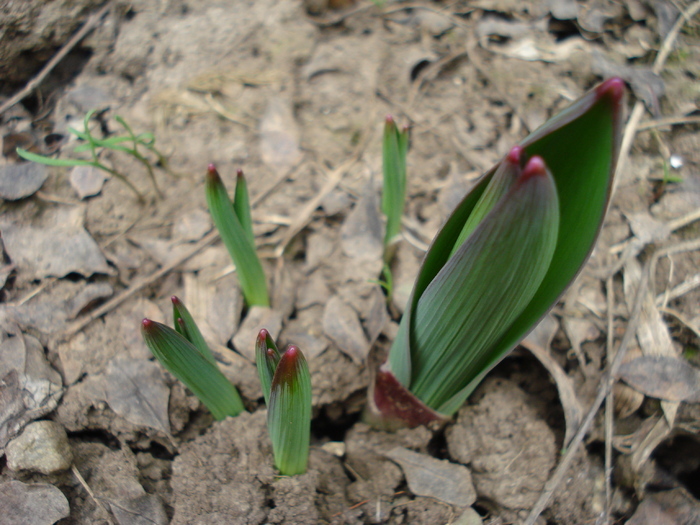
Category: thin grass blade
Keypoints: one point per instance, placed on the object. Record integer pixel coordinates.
(236, 240)
(241, 206)
(184, 361)
(41, 159)
(189, 330)
(267, 357)
(394, 150)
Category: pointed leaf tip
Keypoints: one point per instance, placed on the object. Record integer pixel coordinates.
(175, 300)
(212, 175)
(147, 325)
(389, 119)
(534, 167)
(239, 173)
(514, 155)
(613, 87)
(262, 336)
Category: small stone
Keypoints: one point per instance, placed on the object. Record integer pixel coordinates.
(42, 447)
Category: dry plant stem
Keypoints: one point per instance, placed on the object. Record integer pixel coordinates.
(603, 390)
(87, 488)
(609, 404)
(668, 121)
(88, 26)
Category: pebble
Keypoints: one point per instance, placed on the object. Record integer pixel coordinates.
(42, 447)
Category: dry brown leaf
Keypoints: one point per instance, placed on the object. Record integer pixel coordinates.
(538, 342)
(342, 325)
(435, 478)
(663, 377)
(31, 504)
(136, 390)
(59, 247)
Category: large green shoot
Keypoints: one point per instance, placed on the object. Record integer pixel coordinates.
(501, 261)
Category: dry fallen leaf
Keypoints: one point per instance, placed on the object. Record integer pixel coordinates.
(31, 504)
(671, 507)
(663, 377)
(29, 387)
(435, 478)
(136, 390)
(538, 342)
(59, 247)
(279, 136)
(342, 326)
(361, 233)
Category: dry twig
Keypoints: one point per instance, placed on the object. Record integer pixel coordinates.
(34, 83)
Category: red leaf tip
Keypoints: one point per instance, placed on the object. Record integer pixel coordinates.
(612, 87)
(389, 119)
(514, 155)
(262, 335)
(147, 324)
(292, 352)
(239, 173)
(212, 174)
(175, 300)
(534, 167)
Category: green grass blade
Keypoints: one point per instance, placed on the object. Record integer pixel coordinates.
(248, 267)
(484, 287)
(289, 413)
(394, 150)
(189, 330)
(241, 206)
(184, 361)
(267, 357)
(41, 159)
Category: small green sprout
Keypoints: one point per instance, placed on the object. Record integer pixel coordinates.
(235, 225)
(394, 150)
(185, 354)
(96, 147)
(501, 261)
(286, 385)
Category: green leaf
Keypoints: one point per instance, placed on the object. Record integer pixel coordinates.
(187, 328)
(579, 146)
(394, 150)
(502, 180)
(241, 207)
(184, 361)
(267, 357)
(289, 413)
(236, 240)
(484, 287)
(34, 157)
